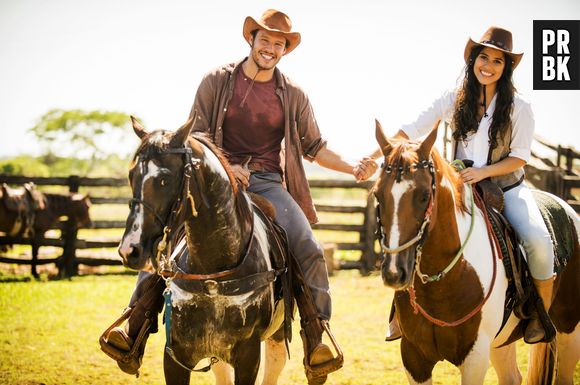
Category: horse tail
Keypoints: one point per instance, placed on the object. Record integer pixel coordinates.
(542, 364)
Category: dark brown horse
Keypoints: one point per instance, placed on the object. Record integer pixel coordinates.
(29, 213)
(450, 288)
(222, 301)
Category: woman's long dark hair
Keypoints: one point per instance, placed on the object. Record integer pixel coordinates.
(467, 103)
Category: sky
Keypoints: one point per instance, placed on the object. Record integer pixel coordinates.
(358, 60)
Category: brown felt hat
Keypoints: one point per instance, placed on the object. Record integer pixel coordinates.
(498, 38)
(273, 21)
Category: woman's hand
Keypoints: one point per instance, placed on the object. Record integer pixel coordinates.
(473, 175)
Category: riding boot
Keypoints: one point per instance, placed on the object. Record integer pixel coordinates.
(126, 343)
(319, 360)
(536, 330)
(394, 331)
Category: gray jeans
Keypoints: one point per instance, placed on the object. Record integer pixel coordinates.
(301, 240)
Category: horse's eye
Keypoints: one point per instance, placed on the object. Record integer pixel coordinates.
(425, 197)
(163, 182)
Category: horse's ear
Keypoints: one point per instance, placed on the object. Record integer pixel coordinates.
(180, 136)
(87, 200)
(427, 144)
(138, 128)
(382, 139)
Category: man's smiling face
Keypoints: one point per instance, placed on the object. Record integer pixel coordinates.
(267, 49)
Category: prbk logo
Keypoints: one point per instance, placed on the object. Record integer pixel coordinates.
(557, 54)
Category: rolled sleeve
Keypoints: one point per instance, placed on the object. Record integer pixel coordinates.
(441, 109)
(522, 131)
(311, 140)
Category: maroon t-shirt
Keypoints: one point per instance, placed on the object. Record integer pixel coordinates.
(256, 127)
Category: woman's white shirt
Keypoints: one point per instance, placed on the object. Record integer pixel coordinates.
(476, 145)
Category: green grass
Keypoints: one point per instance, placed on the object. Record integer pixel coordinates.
(50, 334)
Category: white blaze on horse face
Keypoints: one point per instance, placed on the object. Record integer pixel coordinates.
(134, 235)
(398, 190)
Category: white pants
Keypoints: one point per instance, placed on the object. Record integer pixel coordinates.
(522, 212)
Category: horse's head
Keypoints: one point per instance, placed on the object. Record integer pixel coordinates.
(157, 177)
(80, 205)
(405, 195)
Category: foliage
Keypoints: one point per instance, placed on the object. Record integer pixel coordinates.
(50, 165)
(24, 165)
(90, 134)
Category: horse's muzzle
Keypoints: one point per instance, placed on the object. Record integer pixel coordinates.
(397, 269)
(132, 256)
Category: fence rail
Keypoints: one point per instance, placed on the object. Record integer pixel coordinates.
(68, 262)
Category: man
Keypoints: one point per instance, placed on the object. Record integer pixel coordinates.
(249, 109)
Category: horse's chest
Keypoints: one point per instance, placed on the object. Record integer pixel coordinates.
(212, 325)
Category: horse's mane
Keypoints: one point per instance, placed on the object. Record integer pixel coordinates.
(404, 153)
(158, 146)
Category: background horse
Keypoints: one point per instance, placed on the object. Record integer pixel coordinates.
(29, 213)
(425, 218)
(222, 287)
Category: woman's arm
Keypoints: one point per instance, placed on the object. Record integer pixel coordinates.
(505, 166)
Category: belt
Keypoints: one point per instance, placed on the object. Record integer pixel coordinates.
(256, 167)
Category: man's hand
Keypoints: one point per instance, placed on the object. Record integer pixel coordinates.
(365, 168)
(242, 175)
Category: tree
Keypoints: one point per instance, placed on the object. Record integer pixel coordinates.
(84, 134)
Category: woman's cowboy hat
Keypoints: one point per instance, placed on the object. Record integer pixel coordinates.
(498, 38)
(273, 21)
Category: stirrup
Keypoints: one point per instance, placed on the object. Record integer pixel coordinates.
(314, 373)
(128, 361)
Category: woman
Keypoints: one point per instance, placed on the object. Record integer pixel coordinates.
(493, 127)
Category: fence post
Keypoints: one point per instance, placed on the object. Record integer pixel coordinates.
(68, 266)
(369, 257)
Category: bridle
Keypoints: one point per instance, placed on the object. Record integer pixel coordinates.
(419, 239)
(171, 220)
(398, 171)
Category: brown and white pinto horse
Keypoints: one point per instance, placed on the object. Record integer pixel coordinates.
(223, 300)
(449, 287)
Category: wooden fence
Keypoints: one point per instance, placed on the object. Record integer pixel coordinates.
(68, 262)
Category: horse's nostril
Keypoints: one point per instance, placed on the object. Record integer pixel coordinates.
(403, 275)
(136, 251)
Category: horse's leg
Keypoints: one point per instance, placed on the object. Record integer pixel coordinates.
(505, 364)
(174, 373)
(476, 363)
(418, 368)
(568, 355)
(274, 361)
(224, 373)
(246, 361)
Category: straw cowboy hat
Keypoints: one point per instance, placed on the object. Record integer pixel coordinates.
(498, 38)
(273, 21)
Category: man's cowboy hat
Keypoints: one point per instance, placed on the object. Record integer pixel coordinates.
(498, 38)
(273, 21)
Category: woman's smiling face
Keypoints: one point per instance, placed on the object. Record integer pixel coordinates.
(489, 66)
